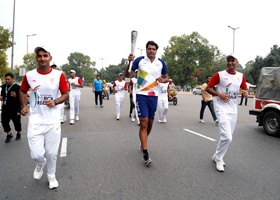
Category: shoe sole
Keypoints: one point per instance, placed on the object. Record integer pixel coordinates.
(148, 162)
(53, 188)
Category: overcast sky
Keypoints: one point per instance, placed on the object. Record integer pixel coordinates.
(101, 29)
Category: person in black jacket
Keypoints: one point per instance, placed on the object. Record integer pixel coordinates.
(10, 107)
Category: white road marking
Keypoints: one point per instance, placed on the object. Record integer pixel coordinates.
(63, 150)
(208, 138)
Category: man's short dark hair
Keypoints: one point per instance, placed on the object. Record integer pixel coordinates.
(9, 74)
(151, 43)
(208, 76)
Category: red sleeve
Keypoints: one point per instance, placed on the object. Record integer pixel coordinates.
(24, 84)
(130, 83)
(80, 81)
(214, 80)
(243, 84)
(114, 85)
(63, 86)
(125, 85)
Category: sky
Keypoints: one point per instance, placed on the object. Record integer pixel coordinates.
(102, 29)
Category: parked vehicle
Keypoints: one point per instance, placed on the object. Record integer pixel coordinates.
(267, 101)
(197, 90)
(178, 88)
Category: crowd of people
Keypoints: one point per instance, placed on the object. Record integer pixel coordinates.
(149, 90)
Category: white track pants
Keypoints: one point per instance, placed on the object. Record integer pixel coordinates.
(227, 124)
(119, 103)
(162, 108)
(74, 101)
(61, 111)
(43, 143)
(135, 112)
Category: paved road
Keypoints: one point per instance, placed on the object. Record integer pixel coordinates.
(103, 160)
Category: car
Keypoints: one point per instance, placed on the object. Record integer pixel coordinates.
(197, 90)
(267, 101)
(178, 88)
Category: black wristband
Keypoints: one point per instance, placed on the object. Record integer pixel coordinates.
(55, 102)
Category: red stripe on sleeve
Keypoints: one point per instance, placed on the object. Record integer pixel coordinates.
(24, 84)
(243, 84)
(214, 80)
(80, 81)
(63, 86)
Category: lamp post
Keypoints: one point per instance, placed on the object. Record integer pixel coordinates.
(102, 62)
(141, 50)
(233, 29)
(13, 37)
(27, 36)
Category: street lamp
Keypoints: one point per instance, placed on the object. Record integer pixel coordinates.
(141, 50)
(102, 61)
(233, 35)
(27, 36)
(13, 37)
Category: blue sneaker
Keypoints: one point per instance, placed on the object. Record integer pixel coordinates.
(101, 106)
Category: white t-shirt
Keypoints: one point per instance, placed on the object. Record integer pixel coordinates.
(148, 72)
(229, 83)
(73, 89)
(119, 86)
(44, 87)
(163, 91)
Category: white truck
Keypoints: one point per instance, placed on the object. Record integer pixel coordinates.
(267, 101)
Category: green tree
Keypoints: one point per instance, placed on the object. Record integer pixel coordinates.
(84, 67)
(5, 43)
(190, 58)
(30, 61)
(112, 71)
(271, 60)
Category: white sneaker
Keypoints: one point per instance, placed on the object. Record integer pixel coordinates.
(213, 158)
(216, 122)
(61, 121)
(219, 165)
(159, 120)
(133, 119)
(72, 121)
(38, 171)
(77, 118)
(53, 184)
(201, 121)
(164, 120)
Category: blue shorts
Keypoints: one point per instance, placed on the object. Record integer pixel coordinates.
(146, 106)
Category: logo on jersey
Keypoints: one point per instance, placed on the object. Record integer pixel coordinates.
(35, 93)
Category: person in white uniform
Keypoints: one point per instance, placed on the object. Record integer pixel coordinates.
(75, 83)
(132, 90)
(48, 89)
(162, 102)
(228, 83)
(119, 87)
(62, 105)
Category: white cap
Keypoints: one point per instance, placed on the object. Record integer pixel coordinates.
(232, 56)
(72, 71)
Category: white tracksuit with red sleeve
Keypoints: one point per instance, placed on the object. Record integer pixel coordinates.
(44, 129)
(74, 97)
(119, 86)
(226, 111)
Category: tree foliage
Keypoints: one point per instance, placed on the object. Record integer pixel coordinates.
(190, 58)
(5, 43)
(82, 64)
(253, 68)
(112, 71)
